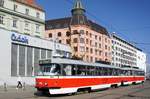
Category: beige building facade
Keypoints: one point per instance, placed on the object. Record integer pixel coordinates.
(89, 41)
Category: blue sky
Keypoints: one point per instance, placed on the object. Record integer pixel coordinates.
(130, 19)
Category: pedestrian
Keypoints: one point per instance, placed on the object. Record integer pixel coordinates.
(19, 82)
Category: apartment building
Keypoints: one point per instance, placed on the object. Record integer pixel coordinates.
(89, 40)
(22, 16)
(125, 54)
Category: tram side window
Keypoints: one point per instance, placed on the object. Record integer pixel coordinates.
(110, 72)
(115, 72)
(81, 70)
(118, 72)
(140, 73)
(91, 70)
(98, 71)
(67, 70)
(74, 69)
(106, 70)
(125, 72)
(131, 72)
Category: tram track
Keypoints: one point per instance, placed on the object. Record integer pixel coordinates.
(131, 93)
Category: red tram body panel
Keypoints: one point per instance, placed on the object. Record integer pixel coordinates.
(59, 84)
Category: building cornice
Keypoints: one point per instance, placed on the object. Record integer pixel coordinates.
(18, 14)
(30, 5)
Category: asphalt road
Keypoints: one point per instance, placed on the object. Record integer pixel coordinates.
(140, 91)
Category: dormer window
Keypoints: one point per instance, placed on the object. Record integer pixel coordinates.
(15, 7)
(27, 11)
(1, 19)
(1, 3)
(37, 15)
(14, 23)
(37, 28)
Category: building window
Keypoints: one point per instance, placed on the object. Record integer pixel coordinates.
(87, 49)
(1, 19)
(91, 59)
(50, 35)
(87, 58)
(15, 7)
(87, 33)
(68, 41)
(37, 15)
(14, 59)
(82, 32)
(75, 49)
(96, 51)
(82, 49)
(59, 41)
(87, 41)
(15, 23)
(105, 47)
(75, 40)
(90, 35)
(59, 34)
(95, 44)
(81, 40)
(90, 42)
(37, 28)
(100, 53)
(100, 38)
(96, 59)
(91, 50)
(95, 37)
(26, 25)
(75, 32)
(67, 33)
(27, 11)
(99, 45)
(106, 54)
(106, 40)
(1, 3)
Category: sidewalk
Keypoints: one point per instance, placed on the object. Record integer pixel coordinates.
(12, 93)
(9, 89)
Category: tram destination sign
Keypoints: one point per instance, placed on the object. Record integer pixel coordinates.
(47, 61)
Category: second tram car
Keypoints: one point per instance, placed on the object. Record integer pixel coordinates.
(63, 76)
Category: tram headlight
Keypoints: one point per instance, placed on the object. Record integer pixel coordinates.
(46, 84)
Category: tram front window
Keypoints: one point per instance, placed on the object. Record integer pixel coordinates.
(50, 69)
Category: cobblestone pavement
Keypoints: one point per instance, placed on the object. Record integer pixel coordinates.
(140, 91)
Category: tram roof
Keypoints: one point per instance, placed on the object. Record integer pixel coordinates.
(132, 69)
(75, 62)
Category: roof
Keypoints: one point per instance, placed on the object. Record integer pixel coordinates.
(61, 23)
(30, 3)
(124, 41)
(75, 62)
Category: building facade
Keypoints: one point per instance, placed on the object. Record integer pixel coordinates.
(20, 55)
(123, 53)
(126, 54)
(141, 60)
(22, 26)
(22, 16)
(89, 41)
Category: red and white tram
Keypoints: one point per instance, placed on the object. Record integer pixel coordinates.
(63, 76)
